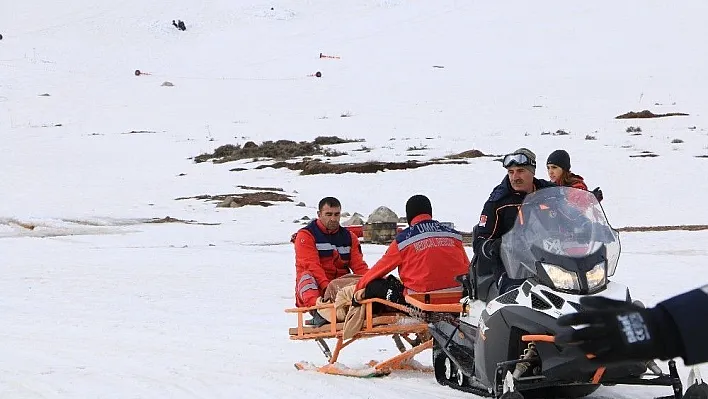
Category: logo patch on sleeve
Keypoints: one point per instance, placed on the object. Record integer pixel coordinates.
(482, 220)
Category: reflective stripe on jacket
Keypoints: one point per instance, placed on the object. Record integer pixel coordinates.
(322, 256)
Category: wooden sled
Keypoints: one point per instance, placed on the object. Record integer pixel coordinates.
(402, 323)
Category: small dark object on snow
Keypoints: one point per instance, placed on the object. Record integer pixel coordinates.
(0, 37)
(318, 74)
(179, 24)
(271, 8)
(137, 72)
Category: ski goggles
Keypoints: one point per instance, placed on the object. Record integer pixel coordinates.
(518, 160)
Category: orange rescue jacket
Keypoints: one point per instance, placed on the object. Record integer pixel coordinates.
(428, 254)
(323, 256)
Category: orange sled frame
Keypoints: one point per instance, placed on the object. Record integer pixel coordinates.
(398, 325)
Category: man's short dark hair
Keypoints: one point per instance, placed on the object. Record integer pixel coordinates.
(331, 201)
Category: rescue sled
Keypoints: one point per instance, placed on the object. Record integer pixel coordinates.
(404, 323)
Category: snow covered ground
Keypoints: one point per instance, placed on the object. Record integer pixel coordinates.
(97, 303)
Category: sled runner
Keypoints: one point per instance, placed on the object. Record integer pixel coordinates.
(403, 323)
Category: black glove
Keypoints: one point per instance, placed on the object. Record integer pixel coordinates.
(492, 248)
(598, 194)
(619, 331)
(354, 301)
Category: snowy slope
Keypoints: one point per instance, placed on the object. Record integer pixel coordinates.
(98, 304)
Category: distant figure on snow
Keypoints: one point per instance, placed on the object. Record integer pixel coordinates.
(179, 25)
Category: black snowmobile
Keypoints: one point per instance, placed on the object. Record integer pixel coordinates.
(502, 346)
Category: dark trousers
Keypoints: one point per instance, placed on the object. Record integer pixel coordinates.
(486, 266)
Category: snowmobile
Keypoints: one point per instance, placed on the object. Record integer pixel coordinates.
(502, 346)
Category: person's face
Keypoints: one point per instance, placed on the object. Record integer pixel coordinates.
(329, 216)
(521, 178)
(554, 172)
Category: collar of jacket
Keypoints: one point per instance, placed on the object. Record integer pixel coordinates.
(420, 218)
(537, 184)
(324, 229)
(574, 176)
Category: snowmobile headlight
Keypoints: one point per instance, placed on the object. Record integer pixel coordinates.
(562, 279)
(597, 277)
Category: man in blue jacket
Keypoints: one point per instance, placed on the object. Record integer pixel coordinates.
(499, 214)
(619, 330)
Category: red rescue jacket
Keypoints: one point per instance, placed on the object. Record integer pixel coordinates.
(577, 181)
(320, 257)
(428, 255)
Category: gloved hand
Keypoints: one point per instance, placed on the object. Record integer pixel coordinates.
(358, 296)
(492, 248)
(598, 194)
(619, 331)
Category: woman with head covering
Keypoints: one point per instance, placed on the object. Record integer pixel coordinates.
(558, 165)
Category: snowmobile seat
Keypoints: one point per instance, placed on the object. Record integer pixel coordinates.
(487, 288)
(484, 282)
(440, 301)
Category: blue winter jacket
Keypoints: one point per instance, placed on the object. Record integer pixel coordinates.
(690, 314)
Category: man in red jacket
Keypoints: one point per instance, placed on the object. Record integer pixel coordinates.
(324, 251)
(428, 255)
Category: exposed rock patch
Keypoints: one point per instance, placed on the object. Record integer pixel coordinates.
(354, 220)
(261, 198)
(317, 167)
(647, 114)
(329, 140)
(382, 214)
(685, 227)
(467, 154)
(281, 149)
(644, 154)
(260, 188)
(168, 219)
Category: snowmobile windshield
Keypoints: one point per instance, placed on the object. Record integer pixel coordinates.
(558, 222)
